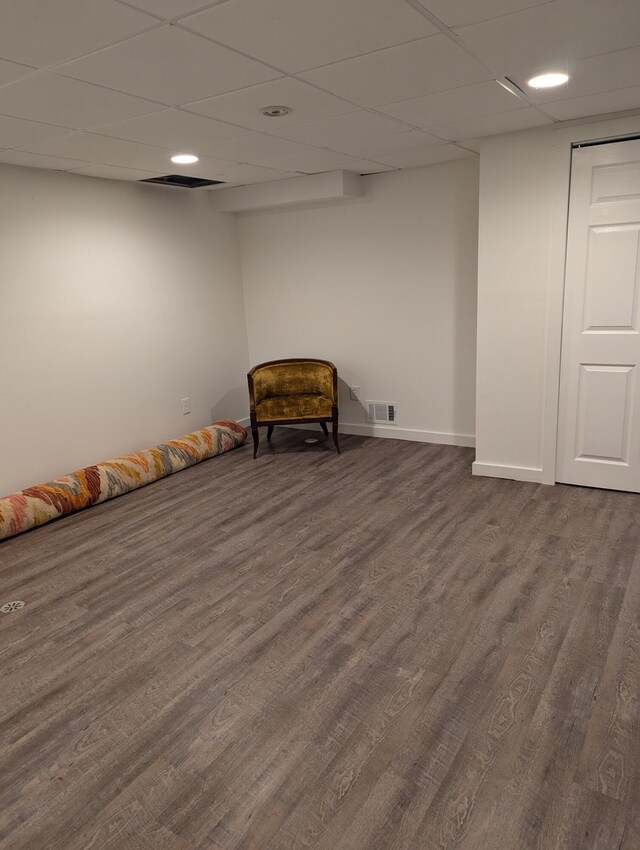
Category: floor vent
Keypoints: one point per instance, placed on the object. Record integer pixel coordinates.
(383, 412)
(181, 180)
(8, 607)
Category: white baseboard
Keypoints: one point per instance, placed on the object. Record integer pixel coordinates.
(515, 473)
(245, 422)
(390, 432)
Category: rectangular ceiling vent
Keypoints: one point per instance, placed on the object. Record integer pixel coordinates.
(382, 412)
(181, 180)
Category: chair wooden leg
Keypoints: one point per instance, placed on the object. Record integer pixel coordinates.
(323, 425)
(334, 431)
(256, 441)
(269, 432)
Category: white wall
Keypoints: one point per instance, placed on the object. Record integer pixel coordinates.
(524, 191)
(385, 286)
(116, 301)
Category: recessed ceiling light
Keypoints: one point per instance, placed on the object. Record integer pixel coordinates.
(547, 81)
(184, 158)
(275, 111)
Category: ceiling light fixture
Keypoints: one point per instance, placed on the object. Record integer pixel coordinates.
(184, 158)
(275, 111)
(548, 81)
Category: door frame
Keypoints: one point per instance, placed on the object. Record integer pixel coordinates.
(575, 145)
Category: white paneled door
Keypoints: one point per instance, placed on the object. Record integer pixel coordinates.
(599, 416)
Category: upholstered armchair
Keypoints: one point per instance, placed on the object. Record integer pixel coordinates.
(285, 392)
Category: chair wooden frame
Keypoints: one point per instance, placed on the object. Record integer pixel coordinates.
(270, 424)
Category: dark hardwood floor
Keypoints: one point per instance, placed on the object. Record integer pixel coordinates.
(357, 652)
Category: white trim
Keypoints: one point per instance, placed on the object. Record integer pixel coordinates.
(391, 432)
(245, 422)
(515, 473)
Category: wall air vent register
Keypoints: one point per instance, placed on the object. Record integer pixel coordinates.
(382, 412)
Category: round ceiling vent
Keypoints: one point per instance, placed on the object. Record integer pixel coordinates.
(275, 111)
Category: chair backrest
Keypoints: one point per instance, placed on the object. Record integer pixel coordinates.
(292, 377)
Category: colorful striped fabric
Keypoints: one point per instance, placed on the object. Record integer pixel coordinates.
(44, 502)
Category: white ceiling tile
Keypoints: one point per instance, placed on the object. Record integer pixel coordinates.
(34, 160)
(43, 33)
(170, 66)
(208, 167)
(595, 104)
(52, 99)
(307, 33)
(170, 9)
(552, 36)
(534, 37)
(376, 53)
(312, 161)
(331, 132)
(324, 160)
(114, 172)
(215, 188)
(382, 147)
(12, 71)
(18, 133)
(427, 156)
(595, 27)
(256, 148)
(243, 107)
(471, 144)
(490, 125)
(607, 72)
(93, 148)
(398, 73)
(463, 12)
(243, 174)
(466, 101)
(364, 166)
(174, 130)
(338, 163)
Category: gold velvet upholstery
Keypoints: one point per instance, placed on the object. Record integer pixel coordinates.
(290, 391)
(297, 377)
(294, 406)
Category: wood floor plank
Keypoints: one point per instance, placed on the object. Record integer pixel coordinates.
(358, 652)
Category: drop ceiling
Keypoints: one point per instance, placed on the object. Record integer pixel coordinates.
(112, 88)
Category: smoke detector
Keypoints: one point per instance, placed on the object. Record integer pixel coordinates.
(275, 111)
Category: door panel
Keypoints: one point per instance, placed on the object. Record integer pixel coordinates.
(604, 408)
(611, 286)
(618, 182)
(599, 412)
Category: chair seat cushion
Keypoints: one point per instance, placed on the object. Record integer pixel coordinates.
(295, 406)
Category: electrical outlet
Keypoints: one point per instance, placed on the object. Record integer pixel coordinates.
(354, 393)
(186, 406)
